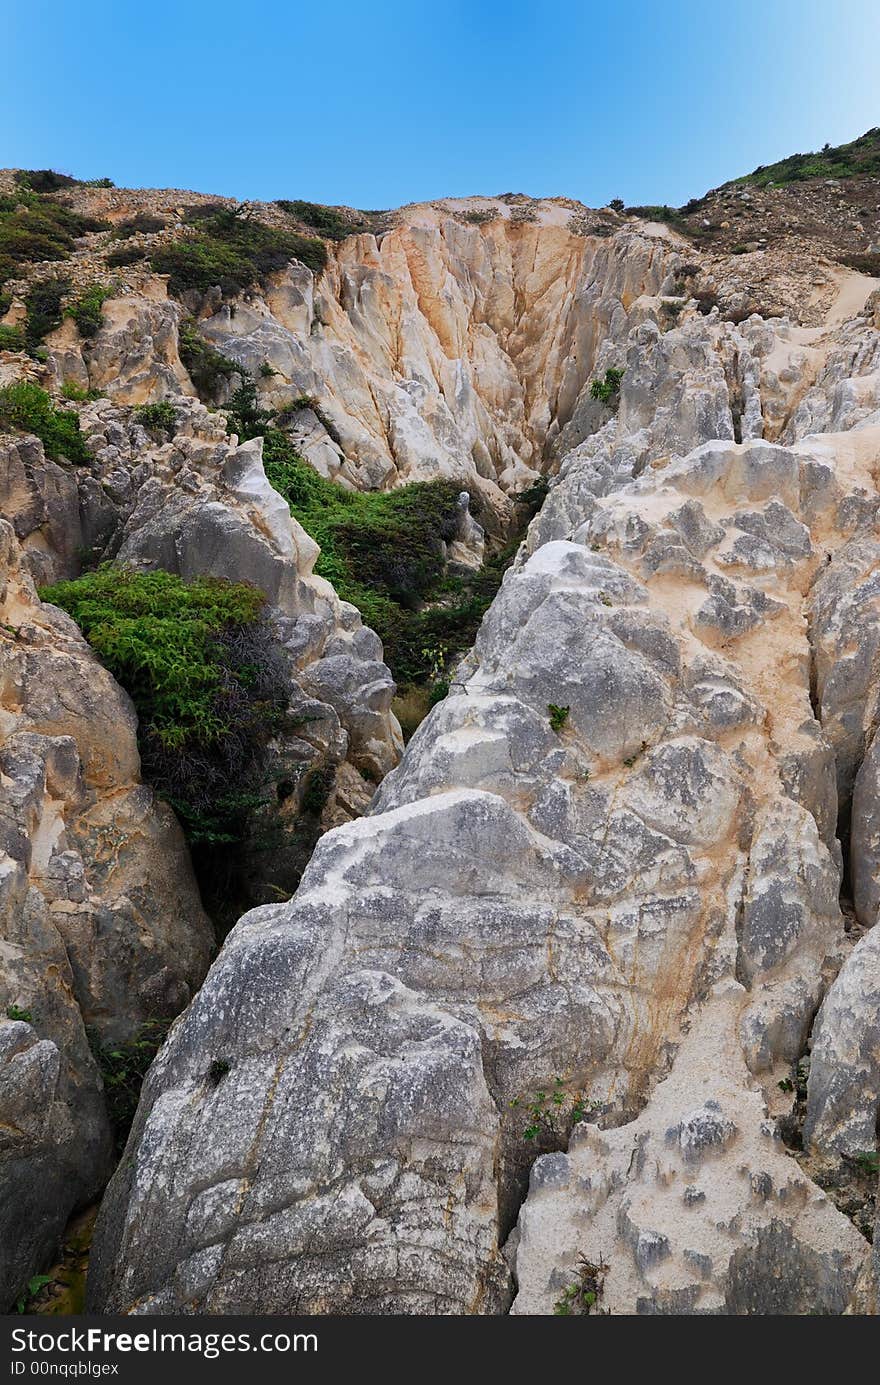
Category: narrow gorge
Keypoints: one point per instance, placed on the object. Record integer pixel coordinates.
(565, 997)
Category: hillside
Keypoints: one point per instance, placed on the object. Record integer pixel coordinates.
(568, 999)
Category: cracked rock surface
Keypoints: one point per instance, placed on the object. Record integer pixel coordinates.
(640, 900)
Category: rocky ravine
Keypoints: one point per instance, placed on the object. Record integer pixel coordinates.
(635, 893)
(102, 925)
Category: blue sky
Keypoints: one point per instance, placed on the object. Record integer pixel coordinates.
(377, 104)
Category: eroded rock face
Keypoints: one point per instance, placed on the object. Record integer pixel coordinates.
(695, 1207)
(609, 857)
(446, 348)
(102, 923)
(573, 897)
(100, 917)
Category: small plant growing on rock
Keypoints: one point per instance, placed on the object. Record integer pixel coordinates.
(607, 389)
(15, 1012)
(30, 1291)
(558, 716)
(553, 1114)
(217, 1071)
(868, 1162)
(123, 1067)
(207, 367)
(44, 311)
(77, 394)
(583, 1295)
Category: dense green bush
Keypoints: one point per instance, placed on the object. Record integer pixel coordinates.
(125, 255)
(381, 550)
(144, 223)
(49, 180)
(232, 250)
(867, 263)
(36, 228)
(78, 394)
(607, 389)
(86, 309)
(25, 406)
(207, 367)
(670, 215)
(208, 683)
(159, 418)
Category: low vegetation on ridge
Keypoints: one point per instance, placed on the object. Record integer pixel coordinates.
(231, 249)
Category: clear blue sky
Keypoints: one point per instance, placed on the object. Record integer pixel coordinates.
(377, 104)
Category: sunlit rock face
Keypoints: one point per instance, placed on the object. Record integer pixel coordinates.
(446, 348)
(608, 866)
(608, 857)
(101, 923)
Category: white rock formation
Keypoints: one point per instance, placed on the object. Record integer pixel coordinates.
(609, 856)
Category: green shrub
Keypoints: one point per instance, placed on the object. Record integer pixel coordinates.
(11, 338)
(26, 407)
(44, 309)
(388, 541)
(333, 224)
(86, 309)
(558, 716)
(209, 685)
(207, 367)
(480, 216)
(382, 552)
(670, 215)
(125, 255)
(36, 228)
(607, 390)
(43, 179)
(48, 180)
(860, 157)
(246, 417)
(159, 418)
(145, 223)
(866, 263)
(76, 393)
(233, 251)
